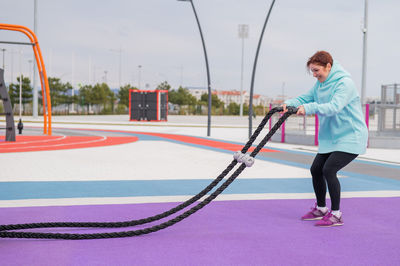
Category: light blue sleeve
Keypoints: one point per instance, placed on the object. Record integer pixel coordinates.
(302, 99)
(342, 95)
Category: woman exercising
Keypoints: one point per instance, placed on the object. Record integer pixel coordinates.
(343, 134)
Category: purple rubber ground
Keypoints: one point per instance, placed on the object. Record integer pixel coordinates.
(264, 232)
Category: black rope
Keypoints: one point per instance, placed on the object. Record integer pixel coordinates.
(155, 217)
(4, 228)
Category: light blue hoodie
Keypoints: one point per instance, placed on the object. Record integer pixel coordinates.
(337, 103)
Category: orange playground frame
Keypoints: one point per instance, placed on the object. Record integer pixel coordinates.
(42, 73)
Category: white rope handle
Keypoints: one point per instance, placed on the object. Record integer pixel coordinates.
(244, 158)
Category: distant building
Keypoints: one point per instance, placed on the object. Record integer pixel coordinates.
(197, 91)
(278, 101)
(258, 100)
(229, 97)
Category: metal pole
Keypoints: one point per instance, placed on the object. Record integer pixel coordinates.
(12, 66)
(50, 72)
(90, 70)
(20, 84)
(140, 67)
(35, 92)
(105, 76)
(180, 85)
(208, 72)
(243, 33)
(18, 43)
(394, 108)
(241, 81)
(119, 51)
(120, 67)
(254, 71)
(364, 60)
(72, 80)
(3, 50)
(31, 69)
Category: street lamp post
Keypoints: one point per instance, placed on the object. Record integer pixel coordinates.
(181, 80)
(35, 95)
(207, 67)
(90, 70)
(3, 50)
(139, 70)
(105, 76)
(12, 65)
(254, 70)
(243, 34)
(364, 58)
(30, 61)
(20, 84)
(119, 51)
(72, 79)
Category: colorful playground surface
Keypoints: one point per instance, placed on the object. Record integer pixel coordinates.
(108, 173)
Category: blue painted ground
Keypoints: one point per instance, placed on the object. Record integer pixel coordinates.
(134, 188)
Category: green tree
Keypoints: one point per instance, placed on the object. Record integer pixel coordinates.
(215, 101)
(259, 110)
(101, 94)
(85, 96)
(59, 92)
(123, 94)
(245, 109)
(112, 98)
(72, 99)
(163, 86)
(26, 95)
(233, 109)
(181, 97)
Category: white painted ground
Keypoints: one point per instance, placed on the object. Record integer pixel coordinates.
(142, 160)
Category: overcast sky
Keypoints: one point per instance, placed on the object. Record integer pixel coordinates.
(80, 41)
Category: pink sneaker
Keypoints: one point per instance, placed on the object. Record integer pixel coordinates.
(314, 214)
(330, 220)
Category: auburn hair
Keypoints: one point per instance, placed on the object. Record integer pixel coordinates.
(321, 58)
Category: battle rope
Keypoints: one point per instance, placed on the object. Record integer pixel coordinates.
(158, 216)
(243, 158)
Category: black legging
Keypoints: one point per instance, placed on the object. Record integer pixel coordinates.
(325, 167)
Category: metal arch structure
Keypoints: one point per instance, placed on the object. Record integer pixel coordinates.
(42, 72)
(207, 67)
(253, 75)
(10, 126)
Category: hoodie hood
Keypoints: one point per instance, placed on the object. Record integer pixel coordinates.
(337, 72)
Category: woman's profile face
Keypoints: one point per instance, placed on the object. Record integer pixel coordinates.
(320, 72)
